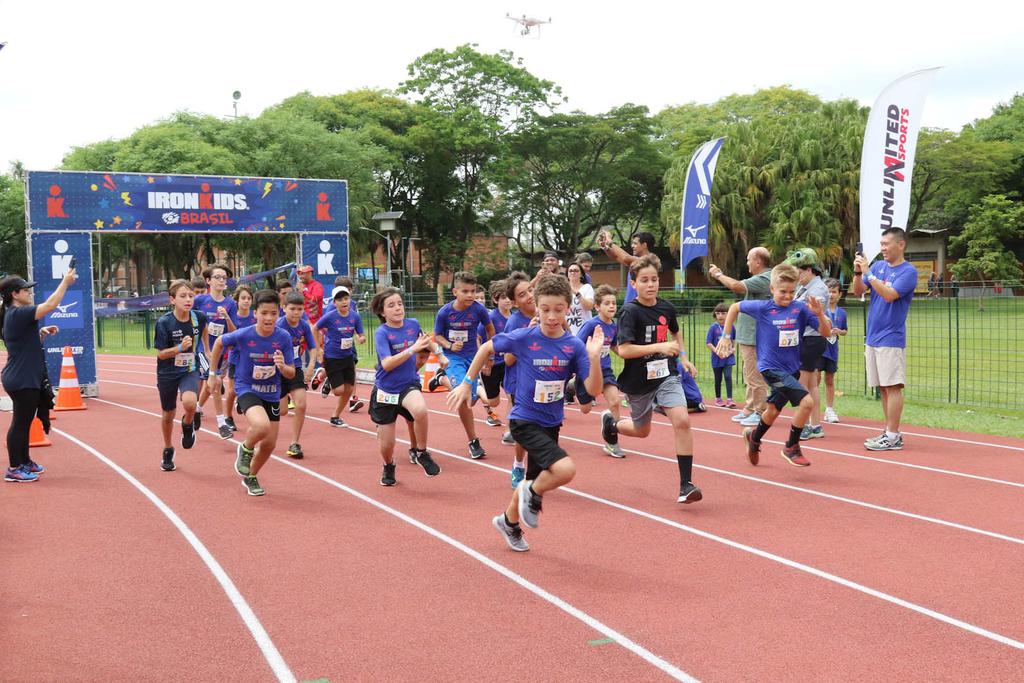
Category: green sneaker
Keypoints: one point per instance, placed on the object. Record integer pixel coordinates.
(252, 486)
(242, 459)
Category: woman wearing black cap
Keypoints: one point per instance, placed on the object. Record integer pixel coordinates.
(24, 375)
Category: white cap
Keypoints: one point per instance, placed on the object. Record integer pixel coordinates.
(337, 290)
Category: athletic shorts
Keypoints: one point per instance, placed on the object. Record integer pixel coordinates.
(886, 366)
(169, 389)
(784, 388)
(607, 377)
(231, 370)
(830, 365)
(386, 414)
(249, 400)
(340, 370)
(540, 444)
(669, 394)
(812, 352)
(290, 385)
(492, 382)
(456, 371)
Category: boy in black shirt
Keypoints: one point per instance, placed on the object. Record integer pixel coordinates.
(649, 341)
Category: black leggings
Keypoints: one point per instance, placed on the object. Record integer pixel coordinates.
(727, 372)
(26, 402)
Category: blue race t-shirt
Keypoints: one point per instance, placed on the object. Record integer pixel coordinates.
(26, 360)
(255, 371)
(339, 332)
(611, 330)
(169, 332)
(516, 321)
(887, 322)
(298, 334)
(543, 365)
(778, 333)
(390, 341)
(240, 322)
(456, 325)
(216, 324)
(714, 334)
(838, 318)
(499, 321)
(630, 290)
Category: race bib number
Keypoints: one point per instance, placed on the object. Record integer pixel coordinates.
(184, 360)
(346, 342)
(788, 338)
(386, 398)
(656, 369)
(458, 336)
(261, 372)
(548, 391)
(215, 329)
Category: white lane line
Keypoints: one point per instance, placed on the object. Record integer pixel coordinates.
(607, 631)
(252, 622)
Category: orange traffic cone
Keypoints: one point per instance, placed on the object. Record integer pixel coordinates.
(68, 395)
(430, 369)
(36, 436)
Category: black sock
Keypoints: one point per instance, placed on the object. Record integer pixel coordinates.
(511, 524)
(532, 492)
(760, 429)
(685, 468)
(794, 436)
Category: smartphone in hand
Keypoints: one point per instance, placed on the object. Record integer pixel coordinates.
(73, 262)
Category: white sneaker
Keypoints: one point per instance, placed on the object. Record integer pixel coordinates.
(740, 416)
(751, 420)
(830, 416)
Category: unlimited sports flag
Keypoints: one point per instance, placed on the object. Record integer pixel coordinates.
(693, 238)
(887, 160)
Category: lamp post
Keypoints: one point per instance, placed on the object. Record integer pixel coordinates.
(387, 220)
(387, 250)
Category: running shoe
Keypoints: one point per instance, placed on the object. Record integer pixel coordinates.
(729, 403)
(492, 419)
(476, 451)
(295, 451)
(513, 535)
(794, 456)
(688, 493)
(230, 422)
(167, 464)
(387, 477)
(529, 505)
(507, 439)
(225, 431)
(19, 475)
(325, 390)
(751, 420)
(243, 458)
(753, 447)
(354, 404)
(337, 422)
(435, 381)
(609, 430)
(319, 375)
(431, 468)
(886, 443)
(830, 416)
(197, 420)
(874, 439)
(33, 467)
(614, 450)
(291, 403)
(413, 453)
(809, 432)
(740, 416)
(518, 474)
(252, 486)
(720, 403)
(188, 435)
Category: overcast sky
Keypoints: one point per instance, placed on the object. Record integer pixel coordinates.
(73, 73)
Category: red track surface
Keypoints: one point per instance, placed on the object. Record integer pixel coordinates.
(860, 566)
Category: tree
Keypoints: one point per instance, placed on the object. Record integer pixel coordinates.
(992, 224)
(12, 225)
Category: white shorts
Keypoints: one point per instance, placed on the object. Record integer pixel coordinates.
(886, 366)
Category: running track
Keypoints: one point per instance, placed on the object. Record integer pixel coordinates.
(903, 565)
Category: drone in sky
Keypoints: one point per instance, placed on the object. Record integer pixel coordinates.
(528, 23)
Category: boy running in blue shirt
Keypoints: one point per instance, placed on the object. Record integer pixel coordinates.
(244, 317)
(220, 310)
(340, 329)
(519, 289)
(302, 339)
(455, 330)
(838, 317)
(176, 339)
(780, 322)
(265, 357)
(547, 355)
(605, 305)
(492, 378)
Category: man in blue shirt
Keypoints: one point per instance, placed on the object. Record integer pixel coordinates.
(891, 283)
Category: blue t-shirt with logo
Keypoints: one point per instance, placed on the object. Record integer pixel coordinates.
(240, 322)
(714, 334)
(339, 332)
(543, 366)
(298, 334)
(255, 371)
(216, 324)
(611, 330)
(778, 333)
(455, 325)
(169, 332)
(391, 341)
(887, 322)
(516, 321)
(838, 318)
(499, 321)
